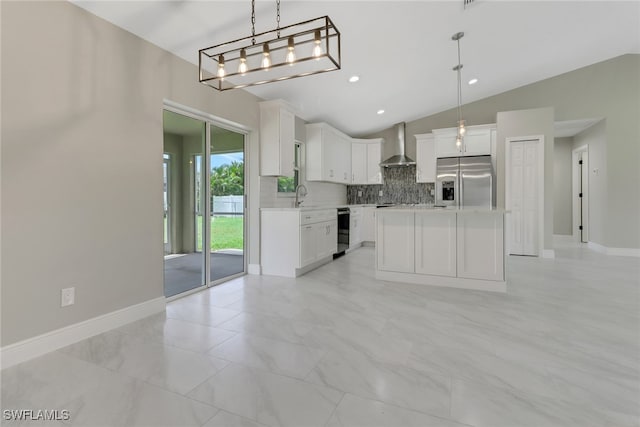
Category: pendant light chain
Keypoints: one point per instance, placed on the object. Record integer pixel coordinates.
(253, 21)
(459, 84)
(278, 16)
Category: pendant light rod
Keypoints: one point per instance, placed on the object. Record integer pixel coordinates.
(458, 69)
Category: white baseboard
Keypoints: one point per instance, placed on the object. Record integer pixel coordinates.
(548, 253)
(449, 282)
(632, 252)
(30, 348)
(254, 269)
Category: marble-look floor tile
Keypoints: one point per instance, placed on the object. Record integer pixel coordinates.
(560, 348)
(354, 411)
(178, 333)
(487, 406)
(482, 368)
(274, 327)
(184, 309)
(170, 367)
(127, 402)
(227, 419)
(355, 373)
(49, 381)
(267, 398)
(385, 348)
(276, 356)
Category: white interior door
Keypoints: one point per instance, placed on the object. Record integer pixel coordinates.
(523, 196)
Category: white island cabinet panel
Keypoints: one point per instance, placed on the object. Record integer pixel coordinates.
(436, 243)
(395, 241)
(448, 247)
(480, 246)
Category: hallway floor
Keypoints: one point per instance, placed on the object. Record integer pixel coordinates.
(337, 348)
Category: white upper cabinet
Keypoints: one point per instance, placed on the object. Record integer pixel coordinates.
(476, 142)
(374, 157)
(365, 161)
(277, 135)
(358, 163)
(425, 158)
(328, 154)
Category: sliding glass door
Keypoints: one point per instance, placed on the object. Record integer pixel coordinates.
(204, 228)
(227, 203)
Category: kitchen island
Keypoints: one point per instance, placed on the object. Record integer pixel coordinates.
(461, 248)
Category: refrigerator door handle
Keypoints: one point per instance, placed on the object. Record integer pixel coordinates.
(461, 185)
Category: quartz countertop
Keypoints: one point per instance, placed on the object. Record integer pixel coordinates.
(317, 207)
(432, 208)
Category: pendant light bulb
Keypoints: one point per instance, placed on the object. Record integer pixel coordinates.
(242, 68)
(266, 59)
(458, 141)
(221, 72)
(461, 128)
(291, 51)
(317, 49)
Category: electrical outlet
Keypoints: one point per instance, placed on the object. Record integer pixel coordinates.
(380, 193)
(67, 297)
(433, 192)
(359, 193)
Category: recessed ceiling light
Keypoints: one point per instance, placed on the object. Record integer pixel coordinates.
(380, 111)
(354, 79)
(473, 81)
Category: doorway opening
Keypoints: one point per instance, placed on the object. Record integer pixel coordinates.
(580, 193)
(204, 207)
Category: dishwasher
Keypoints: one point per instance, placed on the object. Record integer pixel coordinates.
(344, 222)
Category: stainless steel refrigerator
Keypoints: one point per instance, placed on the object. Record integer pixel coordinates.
(465, 182)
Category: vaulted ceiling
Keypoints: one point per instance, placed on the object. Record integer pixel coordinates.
(402, 50)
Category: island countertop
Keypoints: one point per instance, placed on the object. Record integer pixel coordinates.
(431, 208)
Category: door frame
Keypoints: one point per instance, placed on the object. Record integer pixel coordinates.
(211, 120)
(169, 192)
(539, 140)
(576, 178)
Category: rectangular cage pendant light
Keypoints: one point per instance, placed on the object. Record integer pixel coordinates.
(298, 50)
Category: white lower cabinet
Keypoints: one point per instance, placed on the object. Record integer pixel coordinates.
(355, 227)
(308, 251)
(480, 246)
(394, 247)
(436, 243)
(326, 240)
(293, 242)
(368, 229)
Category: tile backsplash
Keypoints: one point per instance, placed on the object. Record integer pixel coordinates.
(399, 186)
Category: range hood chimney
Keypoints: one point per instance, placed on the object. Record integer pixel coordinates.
(399, 144)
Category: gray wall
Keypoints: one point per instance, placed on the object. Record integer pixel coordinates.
(562, 209)
(610, 90)
(78, 94)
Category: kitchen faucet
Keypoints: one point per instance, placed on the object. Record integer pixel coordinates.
(299, 194)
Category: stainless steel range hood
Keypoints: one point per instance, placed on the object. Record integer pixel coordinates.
(399, 145)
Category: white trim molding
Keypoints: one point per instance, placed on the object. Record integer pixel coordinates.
(632, 252)
(548, 253)
(30, 348)
(254, 269)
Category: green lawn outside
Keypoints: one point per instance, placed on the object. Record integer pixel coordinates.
(226, 232)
